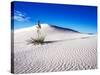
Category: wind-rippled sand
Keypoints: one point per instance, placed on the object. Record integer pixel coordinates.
(70, 51)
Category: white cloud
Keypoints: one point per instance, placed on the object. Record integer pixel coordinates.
(19, 16)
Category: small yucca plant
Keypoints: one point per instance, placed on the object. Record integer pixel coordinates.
(40, 38)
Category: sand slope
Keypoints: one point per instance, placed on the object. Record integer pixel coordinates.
(70, 50)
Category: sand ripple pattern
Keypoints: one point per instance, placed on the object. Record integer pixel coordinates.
(78, 54)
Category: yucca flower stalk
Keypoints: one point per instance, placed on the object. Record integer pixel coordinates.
(38, 29)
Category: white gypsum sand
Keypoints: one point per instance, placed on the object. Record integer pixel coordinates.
(68, 50)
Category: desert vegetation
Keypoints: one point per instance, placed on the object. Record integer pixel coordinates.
(39, 38)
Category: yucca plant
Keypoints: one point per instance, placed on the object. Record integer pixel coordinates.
(40, 37)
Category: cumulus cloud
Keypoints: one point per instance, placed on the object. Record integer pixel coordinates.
(21, 17)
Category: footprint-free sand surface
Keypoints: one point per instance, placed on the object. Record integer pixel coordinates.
(69, 50)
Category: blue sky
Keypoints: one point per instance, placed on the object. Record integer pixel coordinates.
(80, 18)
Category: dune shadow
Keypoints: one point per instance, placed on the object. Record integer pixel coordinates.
(47, 42)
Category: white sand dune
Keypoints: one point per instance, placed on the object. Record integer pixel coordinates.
(70, 50)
